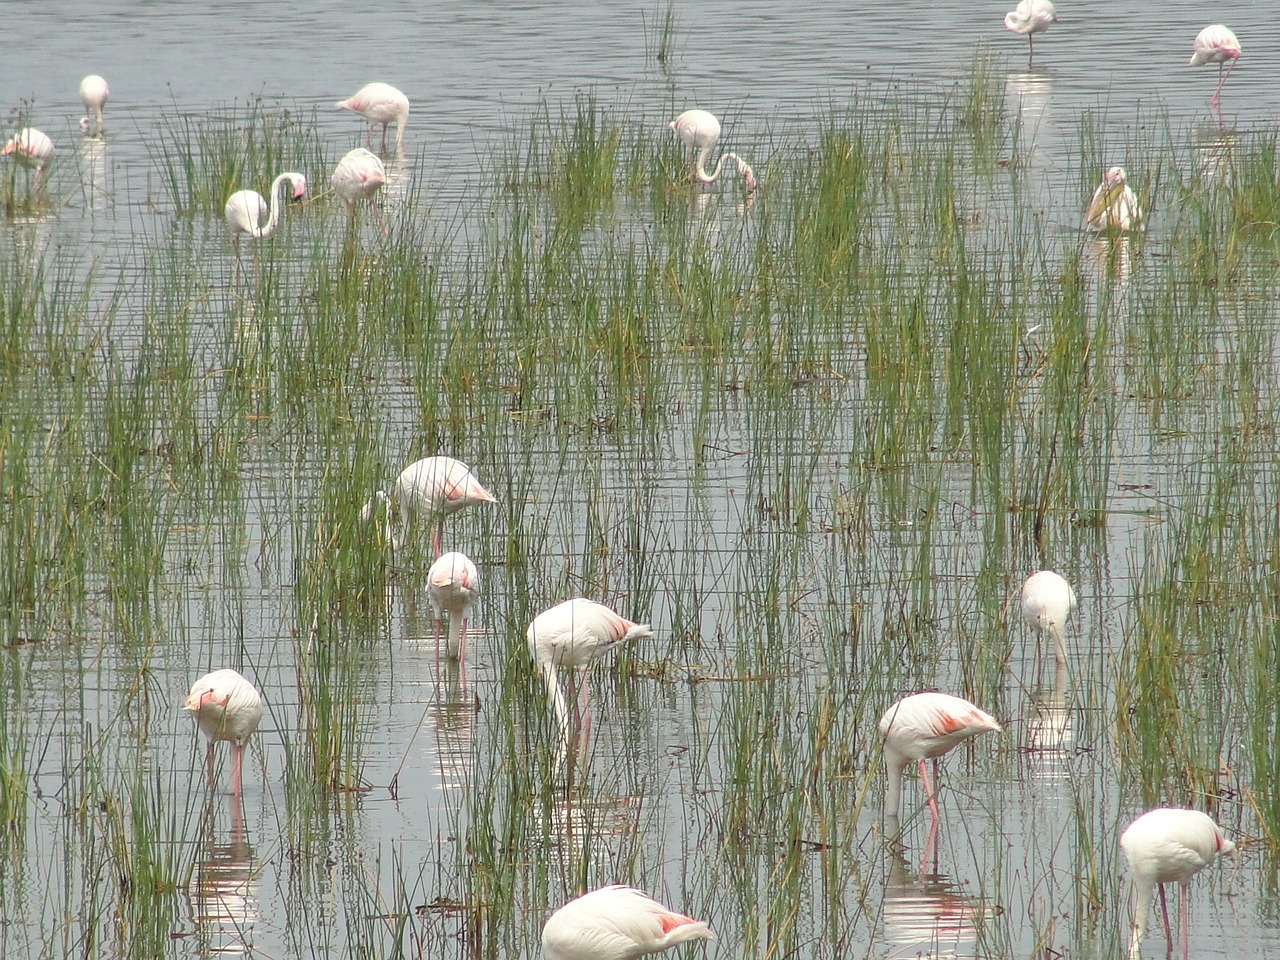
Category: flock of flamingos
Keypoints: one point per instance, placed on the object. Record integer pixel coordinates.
(617, 922)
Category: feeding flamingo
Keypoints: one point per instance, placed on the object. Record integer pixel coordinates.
(358, 176)
(427, 488)
(246, 208)
(1114, 205)
(924, 726)
(1216, 44)
(227, 707)
(93, 94)
(700, 130)
(1028, 18)
(1047, 604)
(32, 149)
(616, 923)
(380, 103)
(453, 583)
(1168, 845)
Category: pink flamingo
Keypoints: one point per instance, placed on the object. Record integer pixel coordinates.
(1047, 604)
(358, 176)
(93, 94)
(31, 148)
(246, 208)
(700, 130)
(453, 583)
(427, 488)
(616, 923)
(227, 707)
(924, 726)
(1027, 19)
(1168, 845)
(1216, 44)
(1114, 205)
(380, 103)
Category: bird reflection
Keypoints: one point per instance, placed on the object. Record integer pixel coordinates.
(1027, 96)
(576, 824)
(93, 172)
(1049, 728)
(223, 894)
(1214, 154)
(927, 914)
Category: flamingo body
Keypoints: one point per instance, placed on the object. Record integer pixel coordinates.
(1047, 604)
(1028, 18)
(430, 487)
(358, 176)
(1216, 44)
(453, 583)
(616, 923)
(226, 707)
(380, 103)
(93, 94)
(1114, 205)
(922, 727)
(699, 130)
(31, 148)
(1168, 845)
(246, 209)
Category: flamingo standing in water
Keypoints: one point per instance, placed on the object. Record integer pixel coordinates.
(922, 727)
(31, 148)
(358, 176)
(1028, 18)
(427, 488)
(246, 208)
(574, 634)
(1047, 604)
(227, 707)
(453, 583)
(1216, 44)
(380, 103)
(616, 923)
(699, 130)
(1168, 845)
(1114, 205)
(93, 94)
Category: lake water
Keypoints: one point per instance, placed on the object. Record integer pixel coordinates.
(689, 526)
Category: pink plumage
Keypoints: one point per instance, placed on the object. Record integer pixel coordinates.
(1216, 44)
(453, 583)
(358, 176)
(380, 103)
(1047, 604)
(432, 487)
(700, 130)
(246, 209)
(226, 707)
(32, 149)
(616, 923)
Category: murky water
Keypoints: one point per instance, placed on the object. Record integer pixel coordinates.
(680, 528)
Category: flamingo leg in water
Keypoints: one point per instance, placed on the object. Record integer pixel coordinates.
(209, 764)
(1184, 915)
(237, 781)
(928, 788)
(1164, 911)
(436, 537)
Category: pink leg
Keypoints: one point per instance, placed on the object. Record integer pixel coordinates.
(462, 642)
(1184, 915)
(237, 781)
(378, 211)
(209, 764)
(1164, 911)
(384, 138)
(928, 789)
(436, 536)
(368, 141)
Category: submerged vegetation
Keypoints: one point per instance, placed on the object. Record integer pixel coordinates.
(816, 436)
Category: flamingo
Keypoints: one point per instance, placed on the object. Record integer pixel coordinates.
(227, 707)
(32, 149)
(700, 130)
(358, 176)
(1114, 205)
(430, 487)
(1168, 845)
(1028, 18)
(574, 634)
(453, 583)
(380, 103)
(93, 94)
(246, 208)
(1047, 604)
(925, 726)
(616, 923)
(1216, 44)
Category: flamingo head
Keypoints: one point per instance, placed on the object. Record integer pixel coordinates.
(299, 186)
(749, 178)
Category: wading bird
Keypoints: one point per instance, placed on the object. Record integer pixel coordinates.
(432, 487)
(1216, 44)
(1168, 845)
(1028, 18)
(616, 923)
(380, 103)
(1114, 205)
(32, 149)
(93, 94)
(453, 583)
(922, 727)
(699, 130)
(1047, 604)
(227, 707)
(574, 634)
(246, 208)
(358, 176)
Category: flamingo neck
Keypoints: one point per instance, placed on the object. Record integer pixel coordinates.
(455, 633)
(556, 696)
(274, 217)
(1144, 891)
(894, 765)
(743, 168)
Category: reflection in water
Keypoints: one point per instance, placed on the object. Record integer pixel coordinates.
(223, 894)
(453, 713)
(399, 180)
(927, 914)
(581, 828)
(93, 172)
(1049, 729)
(1214, 153)
(1027, 97)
